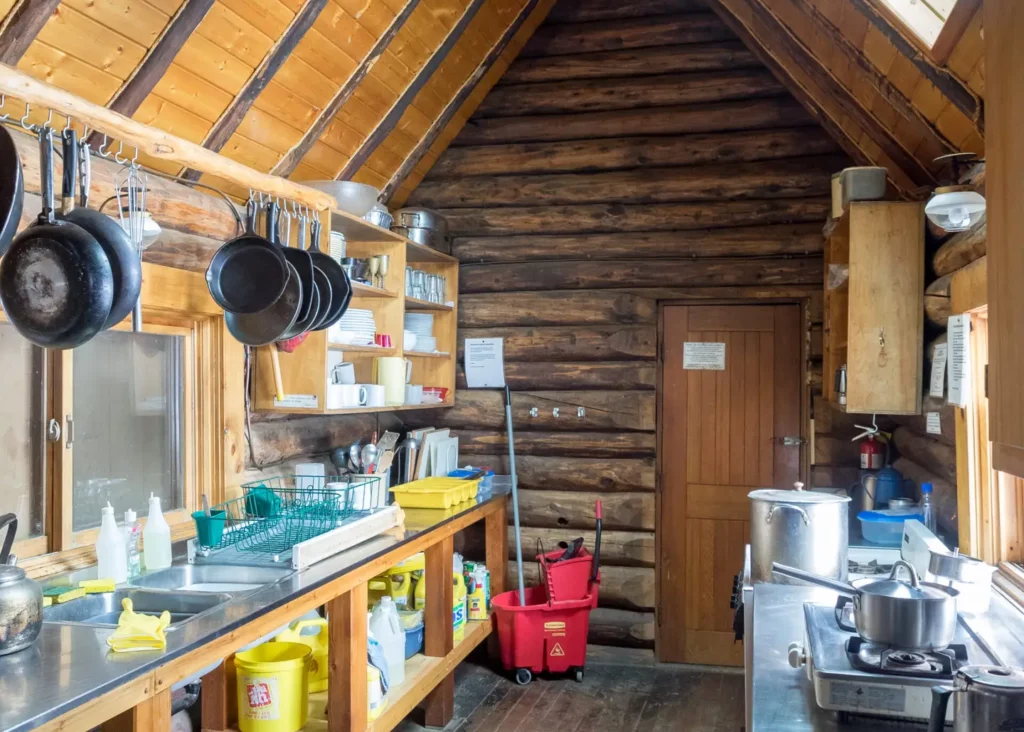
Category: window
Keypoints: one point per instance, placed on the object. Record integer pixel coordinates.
(937, 25)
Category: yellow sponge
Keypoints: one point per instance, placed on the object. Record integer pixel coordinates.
(95, 586)
(63, 593)
(47, 601)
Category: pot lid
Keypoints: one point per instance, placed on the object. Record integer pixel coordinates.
(9, 575)
(796, 496)
(911, 589)
(991, 678)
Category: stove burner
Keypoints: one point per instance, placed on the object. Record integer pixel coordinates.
(906, 658)
(877, 659)
(872, 567)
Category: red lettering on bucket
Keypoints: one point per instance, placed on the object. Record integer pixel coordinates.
(259, 695)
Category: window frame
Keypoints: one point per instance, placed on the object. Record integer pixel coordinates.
(952, 30)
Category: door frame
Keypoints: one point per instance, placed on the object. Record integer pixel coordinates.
(805, 418)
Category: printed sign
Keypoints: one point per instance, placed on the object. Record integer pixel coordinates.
(298, 401)
(703, 356)
(938, 380)
(933, 423)
(484, 362)
(959, 330)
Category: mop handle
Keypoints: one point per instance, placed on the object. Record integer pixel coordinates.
(515, 495)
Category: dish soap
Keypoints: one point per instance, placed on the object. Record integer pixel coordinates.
(132, 532)
(156, 538)
(459, 595)
(111, 560)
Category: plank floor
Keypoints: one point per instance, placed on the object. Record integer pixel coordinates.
(623, 690)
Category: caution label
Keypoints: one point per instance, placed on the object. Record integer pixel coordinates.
(557, 650)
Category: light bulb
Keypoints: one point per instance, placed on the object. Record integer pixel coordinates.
(959, 216)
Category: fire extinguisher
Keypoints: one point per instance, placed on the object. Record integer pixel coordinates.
(872, 454)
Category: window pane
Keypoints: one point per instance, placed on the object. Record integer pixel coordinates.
(129, 436)
(22, 441)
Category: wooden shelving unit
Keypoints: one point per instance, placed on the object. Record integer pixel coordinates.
(305, 372)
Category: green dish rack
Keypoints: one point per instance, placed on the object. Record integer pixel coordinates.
(275, 514)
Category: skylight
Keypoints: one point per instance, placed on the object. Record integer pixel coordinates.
(924, 17)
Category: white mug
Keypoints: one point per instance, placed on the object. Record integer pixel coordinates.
(414, 394)
(352, 395)
(343, 373)
(374, 394)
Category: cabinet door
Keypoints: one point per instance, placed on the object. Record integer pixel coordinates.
(1004, 151)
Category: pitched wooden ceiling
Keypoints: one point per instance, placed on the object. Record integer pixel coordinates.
(374, 90)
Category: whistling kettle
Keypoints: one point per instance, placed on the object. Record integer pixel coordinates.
(21, 599)
(988, 698)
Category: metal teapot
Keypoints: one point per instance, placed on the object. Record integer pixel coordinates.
(21, 599)
(988, 699)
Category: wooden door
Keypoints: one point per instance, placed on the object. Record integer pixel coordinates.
(721, 437)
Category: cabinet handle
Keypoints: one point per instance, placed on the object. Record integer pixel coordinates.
(69, 431)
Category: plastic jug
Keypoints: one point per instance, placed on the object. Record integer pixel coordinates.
(317, 642)
(156, 538)
(387, 629)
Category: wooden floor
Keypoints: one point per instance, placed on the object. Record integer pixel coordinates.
(623, 690)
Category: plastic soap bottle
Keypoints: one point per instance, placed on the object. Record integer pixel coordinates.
(927, 507)
(111, 560)
(132, 532)
(156, 538)
(387, 629)
(458, 599)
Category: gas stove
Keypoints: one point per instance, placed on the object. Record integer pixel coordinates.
(854, 677)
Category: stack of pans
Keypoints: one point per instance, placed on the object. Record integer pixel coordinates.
(423, 226)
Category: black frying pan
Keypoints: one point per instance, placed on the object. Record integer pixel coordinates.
(341, 288)
(323, 286)
(248, 274)
(56, 284)
(298, 258)
(12, 189)
(125, 265)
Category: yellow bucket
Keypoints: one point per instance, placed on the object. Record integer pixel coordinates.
(273, 689)
(317, 642)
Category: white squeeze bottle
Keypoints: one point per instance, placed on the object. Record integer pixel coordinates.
(156, 538)
(111, 559)
(387, 629)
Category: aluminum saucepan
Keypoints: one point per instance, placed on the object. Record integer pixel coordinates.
(914, 615)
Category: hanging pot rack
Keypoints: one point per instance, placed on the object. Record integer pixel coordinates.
(153, 142)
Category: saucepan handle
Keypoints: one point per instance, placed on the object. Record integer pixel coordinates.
(815, 579)
(791, 507)
(940, 703)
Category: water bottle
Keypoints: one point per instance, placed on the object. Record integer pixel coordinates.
(927, 507)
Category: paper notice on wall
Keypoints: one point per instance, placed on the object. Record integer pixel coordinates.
(933, 423)
(484, 362)
(938, 380)
(959, 359)
(703, 356)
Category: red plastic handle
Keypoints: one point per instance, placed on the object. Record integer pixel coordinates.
(597, 510)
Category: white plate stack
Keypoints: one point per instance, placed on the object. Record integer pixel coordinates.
(337, 246)
(422, 326)
(356, 328)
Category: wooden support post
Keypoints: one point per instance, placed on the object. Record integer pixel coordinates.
(215, 699)
(496, 556)
(153, 714)
(438, 641)
(346, 629)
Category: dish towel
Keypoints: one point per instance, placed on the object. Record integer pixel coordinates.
(137, 632)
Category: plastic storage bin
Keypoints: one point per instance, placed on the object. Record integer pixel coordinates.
(413, 641)
(435, 492)
(885, 527)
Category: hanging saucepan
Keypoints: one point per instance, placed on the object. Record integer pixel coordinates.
(56, 284)
(341, 287)
(248, 274)
(12, 189)
(273, 323)
(300, 260)
(323, 284)
(124, 261)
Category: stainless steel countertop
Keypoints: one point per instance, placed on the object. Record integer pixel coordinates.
(783, 699)
(72, 664)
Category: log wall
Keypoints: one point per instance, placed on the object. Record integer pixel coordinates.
(622, 161)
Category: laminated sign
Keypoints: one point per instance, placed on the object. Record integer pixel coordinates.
(699, 356)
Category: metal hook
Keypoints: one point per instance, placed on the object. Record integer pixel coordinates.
(135, 158)
(49, 118)
(5, 117)
(28, 111)
(104, 151)
(67, 126)
(117, 155)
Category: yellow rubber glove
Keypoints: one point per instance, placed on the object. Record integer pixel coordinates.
(137, 632)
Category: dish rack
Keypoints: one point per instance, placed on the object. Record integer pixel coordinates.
(275, 514)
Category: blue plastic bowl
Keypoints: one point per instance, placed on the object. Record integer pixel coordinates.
(413, 641)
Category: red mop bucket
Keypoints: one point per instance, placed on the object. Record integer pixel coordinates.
(566, 580)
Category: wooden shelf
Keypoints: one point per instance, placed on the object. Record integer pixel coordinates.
(376, 350)
(425, 354)
(400, 408)
(358, 230)
(418, 253)
(361, 290)
(414, 303)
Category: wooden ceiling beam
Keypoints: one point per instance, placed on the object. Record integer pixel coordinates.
(286, 165)
(138, 86)
(951, 87)
(818, 90)
(21, 26)
(232, 117)
(453, 106)
(390, 121)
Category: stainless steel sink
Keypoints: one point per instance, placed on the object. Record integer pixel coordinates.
(212, 578)
(103, 609)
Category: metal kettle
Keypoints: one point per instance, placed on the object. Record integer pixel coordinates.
(21, 599)
(988, 698)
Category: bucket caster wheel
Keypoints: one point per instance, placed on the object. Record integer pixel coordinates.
(523, 676)
(578, 675)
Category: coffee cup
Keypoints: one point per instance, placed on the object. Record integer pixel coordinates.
(374, 394)
(414, 394)
(343, 373)
(352, 395)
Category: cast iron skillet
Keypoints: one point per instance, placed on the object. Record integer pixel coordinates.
(341, 288)
(300, 260)
(56, 284)
(248, 274)
(12, 189)
(125, 264)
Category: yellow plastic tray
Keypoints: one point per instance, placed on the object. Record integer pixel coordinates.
(435, 492)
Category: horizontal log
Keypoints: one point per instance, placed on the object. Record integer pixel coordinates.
(605, 410)
(614, 217)
(631, 588)
(281, 439)
(618, 548)
(613, 9)
(937, 309)
(578, 343)
(631, 62)
(931, 454)
(522, 375)
(751, 114)
(943, 492)
(790, 178)
(632, 152)
(918, 422)
(606, 35)
(555, 308)
(575, 509)
(610, 627)
(477, 278)
(834, 476)
(828, 420)
(749, 292)
(602, 95)
(832, 450)
(556, 444)
(961, 249)
(574, 474)
(743, 241)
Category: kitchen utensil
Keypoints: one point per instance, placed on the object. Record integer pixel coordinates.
(373, 266)
(379, 216)
(384, 464)
(267, 326)
(21, 599)
(299, 258)
(423, 218)
(414, 394)
(353, 455)
(368, 457)
(336, 246)
(248, 274)
(406, 453)
(374, 395)
(275, 364)
(408, 340)
(133, 184)
(862, 493)
(12, 189)
(341, 287)
(393, 374)
(971, 577)
(902, 504)
(803, 529)
(343, 373)
(56, 284)
(988, 698)
(353, 198)
(125, 264)
(206, 505)
(913, 616)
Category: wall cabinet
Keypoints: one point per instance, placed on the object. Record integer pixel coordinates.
(874, 307)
